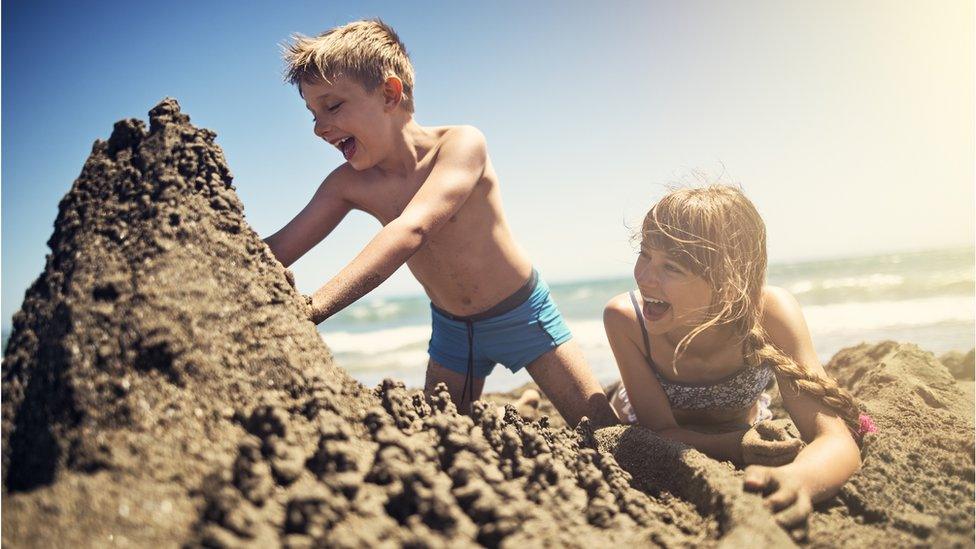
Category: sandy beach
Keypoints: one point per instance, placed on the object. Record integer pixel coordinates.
(163, 387)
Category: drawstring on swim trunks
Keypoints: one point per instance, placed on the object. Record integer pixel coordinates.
(469, 376)
(506, 305)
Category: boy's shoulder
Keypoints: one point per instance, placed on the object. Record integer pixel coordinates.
(461, 140)
(461, 146)
(461, 132)
(340, 177)
(458, 149)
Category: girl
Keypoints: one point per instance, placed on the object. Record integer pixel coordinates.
(701, 337)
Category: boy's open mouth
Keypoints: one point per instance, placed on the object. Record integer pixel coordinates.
(655, 309)
(348, 147)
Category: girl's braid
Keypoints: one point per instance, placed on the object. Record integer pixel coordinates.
(757, 350)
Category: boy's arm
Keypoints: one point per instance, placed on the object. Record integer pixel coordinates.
(459, 166)
(646, 395)
(316, 220)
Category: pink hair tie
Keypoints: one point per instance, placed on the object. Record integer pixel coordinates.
(866, 425)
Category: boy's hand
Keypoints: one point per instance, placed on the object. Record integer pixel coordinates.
(306, 299)
(290, 278)
(783, 496)
(770, 443)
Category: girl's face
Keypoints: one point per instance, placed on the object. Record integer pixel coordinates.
(674, 299)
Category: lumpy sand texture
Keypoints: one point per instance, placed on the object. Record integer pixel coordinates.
(162, 387)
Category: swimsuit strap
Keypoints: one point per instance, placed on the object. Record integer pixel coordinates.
(640, 321)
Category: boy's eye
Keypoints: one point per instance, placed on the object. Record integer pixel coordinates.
(335, 107)
(673, 268)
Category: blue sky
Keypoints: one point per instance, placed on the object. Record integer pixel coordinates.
(850, 124)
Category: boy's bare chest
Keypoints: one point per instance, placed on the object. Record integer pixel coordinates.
(386, 207)
(386, 200)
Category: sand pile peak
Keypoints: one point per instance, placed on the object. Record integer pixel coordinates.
(158, 316)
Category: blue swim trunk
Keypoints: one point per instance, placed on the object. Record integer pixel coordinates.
(513, 333)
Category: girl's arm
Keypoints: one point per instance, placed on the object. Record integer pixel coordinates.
(645, 392)
(831, 456)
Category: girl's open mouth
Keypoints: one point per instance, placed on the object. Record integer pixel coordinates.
(655, 309)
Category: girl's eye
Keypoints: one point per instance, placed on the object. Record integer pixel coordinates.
(673, 268)
(335, 108)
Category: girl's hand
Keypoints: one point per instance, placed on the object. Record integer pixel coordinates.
(770, 443)
(783, 495)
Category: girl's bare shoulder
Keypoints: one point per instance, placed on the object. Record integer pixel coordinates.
(619, 315)
(782, 318)
(778, 305)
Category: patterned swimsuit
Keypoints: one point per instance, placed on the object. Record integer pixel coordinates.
(735, 391)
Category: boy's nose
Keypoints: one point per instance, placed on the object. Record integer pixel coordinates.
(322, 130)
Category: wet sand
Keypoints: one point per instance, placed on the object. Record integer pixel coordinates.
(162, 386)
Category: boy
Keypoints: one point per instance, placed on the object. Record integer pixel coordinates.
(434, 191)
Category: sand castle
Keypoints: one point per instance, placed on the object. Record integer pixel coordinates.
(162, 386)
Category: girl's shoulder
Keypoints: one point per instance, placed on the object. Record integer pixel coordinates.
(619, 315)
(776, 300)
(620, 306)
(782, 317)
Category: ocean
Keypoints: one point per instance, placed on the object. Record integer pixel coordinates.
(927, 298)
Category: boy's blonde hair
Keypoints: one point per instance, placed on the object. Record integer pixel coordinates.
(716, 233)
(368, 51)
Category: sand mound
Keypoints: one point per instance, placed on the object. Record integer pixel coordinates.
(961, 366)
(159, 315)
(162, 386)
(917, 481)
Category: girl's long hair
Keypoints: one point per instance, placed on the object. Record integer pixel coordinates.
(716, 233)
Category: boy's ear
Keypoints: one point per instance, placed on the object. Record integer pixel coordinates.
(392, 92)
